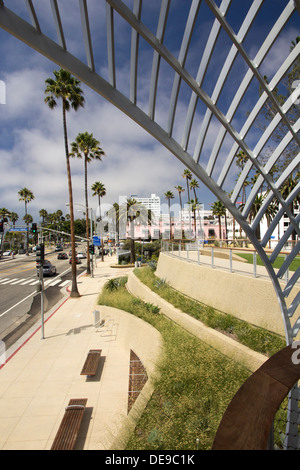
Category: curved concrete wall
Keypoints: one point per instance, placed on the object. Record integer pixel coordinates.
(147, 343)
(247, 298)
(240, 353)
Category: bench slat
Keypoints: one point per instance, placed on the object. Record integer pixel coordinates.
(91, 363)
(69, 427)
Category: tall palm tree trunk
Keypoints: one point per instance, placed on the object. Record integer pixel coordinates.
(180, 200)
(74, 289)
(88, 265)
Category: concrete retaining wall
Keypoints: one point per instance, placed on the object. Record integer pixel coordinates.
(219, 341)
(136, 334)
(250, 299)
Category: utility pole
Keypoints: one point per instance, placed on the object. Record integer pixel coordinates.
(40, 256)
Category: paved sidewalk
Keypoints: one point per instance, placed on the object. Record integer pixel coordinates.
(41, 375)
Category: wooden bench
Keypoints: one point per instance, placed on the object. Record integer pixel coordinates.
(69, 427)
(91, 363)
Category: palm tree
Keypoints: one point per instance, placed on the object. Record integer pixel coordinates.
(241, 159)
(180, 190)
(257, 203)
(289, 184)
(4, 213)
(27, 196)
(193, 185)
(219, 210)
(66, 88)
(88, 148)
(193, 206)
(270, 213)
(131, 215)
(188, 176)
(13, 216)
(100, 191)
(43, 213)
(169, 195)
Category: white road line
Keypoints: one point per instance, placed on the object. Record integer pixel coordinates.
(33, 282)
(18, 281)
(26, 282)
(9, 280)
(55, 282)
(14, 306)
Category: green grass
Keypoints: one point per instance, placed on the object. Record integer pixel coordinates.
(258, 339)
(277, 263)
(195, 385)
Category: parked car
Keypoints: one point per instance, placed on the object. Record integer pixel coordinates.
(78, 260)
(48, 268)
(8, 253)
(62, 256)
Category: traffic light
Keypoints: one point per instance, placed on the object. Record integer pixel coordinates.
(91, 249)
(1, 226)
(40, 254)
(34, 228)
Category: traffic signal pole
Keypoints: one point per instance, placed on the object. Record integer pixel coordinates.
(40, 256)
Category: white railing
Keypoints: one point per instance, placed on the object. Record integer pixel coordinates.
(221, 257)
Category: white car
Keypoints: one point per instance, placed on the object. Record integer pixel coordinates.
(81, 255)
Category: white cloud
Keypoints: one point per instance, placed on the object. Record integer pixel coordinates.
(31, 135)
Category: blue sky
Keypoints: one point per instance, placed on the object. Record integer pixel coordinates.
(31, 138)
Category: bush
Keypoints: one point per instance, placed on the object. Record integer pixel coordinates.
(192, 390)
(258, 339)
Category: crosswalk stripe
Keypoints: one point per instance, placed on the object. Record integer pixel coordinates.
(32, 282)
(17, 282)
(55, 282)
(9, 280)
(26, 282)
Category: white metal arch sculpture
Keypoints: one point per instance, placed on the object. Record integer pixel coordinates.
(214, 167)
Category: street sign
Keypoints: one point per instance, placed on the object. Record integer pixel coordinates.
(96, 241)
(18, 229)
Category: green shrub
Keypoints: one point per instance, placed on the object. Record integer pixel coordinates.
(258, 339)
(194, 386)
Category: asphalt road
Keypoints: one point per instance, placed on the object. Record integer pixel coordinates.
(20, 292)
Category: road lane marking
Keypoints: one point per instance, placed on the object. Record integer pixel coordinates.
(18, 281)
(53, 283)
(26, 282)
(65, 283)
(14, 306)
(9, 280)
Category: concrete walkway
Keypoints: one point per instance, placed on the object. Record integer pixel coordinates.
(41, 375)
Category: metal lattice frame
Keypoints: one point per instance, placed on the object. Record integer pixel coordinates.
(215, 171)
